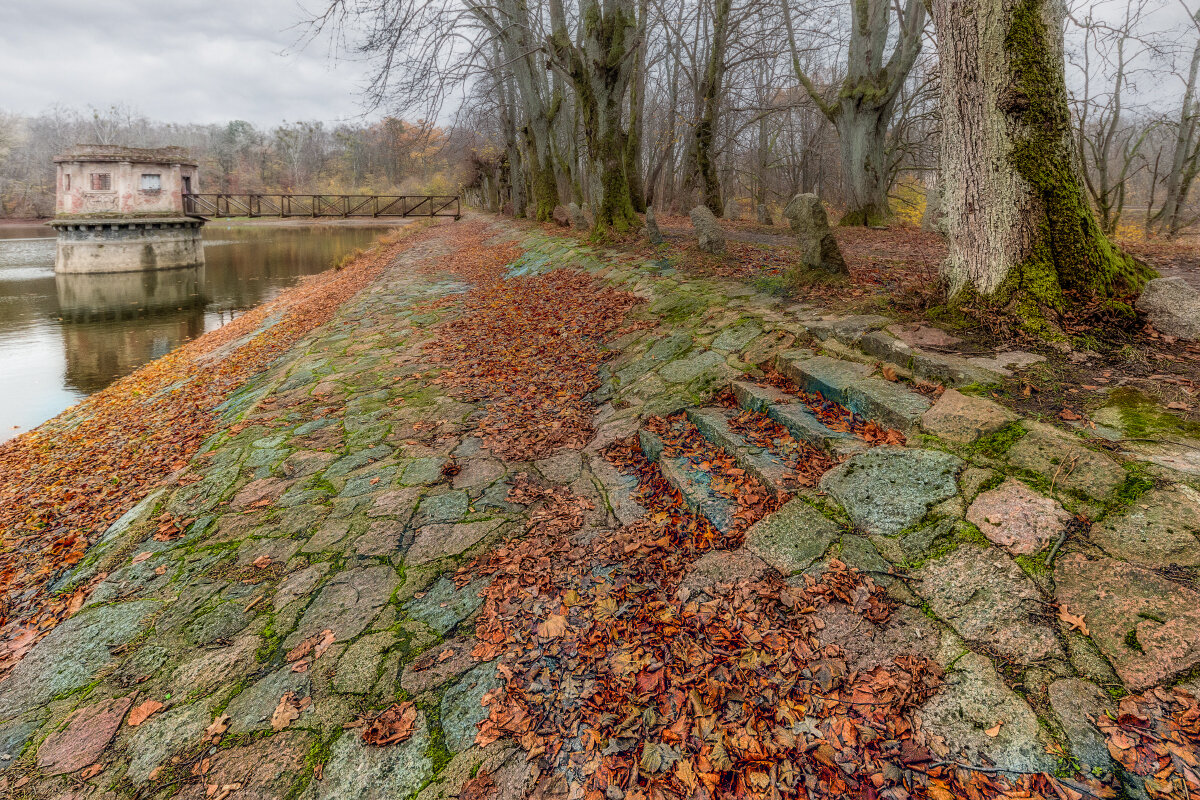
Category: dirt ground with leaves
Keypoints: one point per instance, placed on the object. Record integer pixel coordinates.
(495, 513)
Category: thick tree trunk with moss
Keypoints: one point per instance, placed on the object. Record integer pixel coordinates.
(601, 68)
(1020, 230)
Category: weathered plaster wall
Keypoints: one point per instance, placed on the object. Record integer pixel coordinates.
(125, 195)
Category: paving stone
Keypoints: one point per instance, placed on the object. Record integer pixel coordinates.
(13, 738)
(142, 664)
(989, 600)
(462, 706)
(306, 462)
(367, 483)
(888, 489)
(972, 700)
(433, 542)
(792, 538)
(209, 669)
(1061, 458)
(805, 427)
(561, 468)
(328, 535)
(163, 735)
(222, 622)
(268, 769)
(1147, 625)
(1073, 701)
(735, 338)
(766, 347)
(448, 507)
(686, 370)
(348, 463)
(299, 584)
(962, 418)
(907, 632)
(365, 772)
(1017, 518)
(71, 654)
(670, 346)
(260, 492)
(1161, 529)
(251, 710)
(444, 605)
(278, 550)
(620, 490)
(478, 473)
(346, 604)
(1005, 362)
(424, 471)
(720, 568)
(384, 537)
(847, 329)
(359, 665)
(918, 335)
(398, 503)
(434, 667)
(83, 738)
(475, 762)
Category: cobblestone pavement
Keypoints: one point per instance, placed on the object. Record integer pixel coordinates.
(312, 584)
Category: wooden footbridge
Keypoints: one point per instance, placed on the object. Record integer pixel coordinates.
(206, 205)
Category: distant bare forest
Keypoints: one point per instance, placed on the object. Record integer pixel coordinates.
(385, 157)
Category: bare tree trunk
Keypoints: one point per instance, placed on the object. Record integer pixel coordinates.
(601, 70)
(862, 111)
(1185, 157)
(1016, 213)
(708, 181)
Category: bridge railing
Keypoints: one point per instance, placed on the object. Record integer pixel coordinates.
(210, 204)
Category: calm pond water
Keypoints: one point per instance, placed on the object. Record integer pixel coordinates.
(63, 337)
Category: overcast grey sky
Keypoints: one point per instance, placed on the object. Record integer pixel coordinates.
(171, 60)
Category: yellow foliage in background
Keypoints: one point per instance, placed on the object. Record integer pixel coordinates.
(907, 200)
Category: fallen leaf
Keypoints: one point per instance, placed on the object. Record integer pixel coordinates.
(140, 557)
(889, 373)
(90, 772)
(552, 627)
(139, 713)
(218, 727)
(994, 731)
(262, 562)
(288, 710)
(1075, 622)
(394, 724)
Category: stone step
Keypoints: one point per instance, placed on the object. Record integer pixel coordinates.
(692, 483)
(767, 468)
(845, 382)
(795, 416)
(754, 397)
(950, 370)
(805, 426)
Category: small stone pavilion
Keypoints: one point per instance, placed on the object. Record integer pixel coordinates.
(120, 209)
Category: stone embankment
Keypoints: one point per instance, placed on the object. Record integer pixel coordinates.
(314, 584)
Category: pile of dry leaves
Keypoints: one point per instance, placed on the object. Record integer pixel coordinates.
(528, 346)
(1157, 735)
(623, 685)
